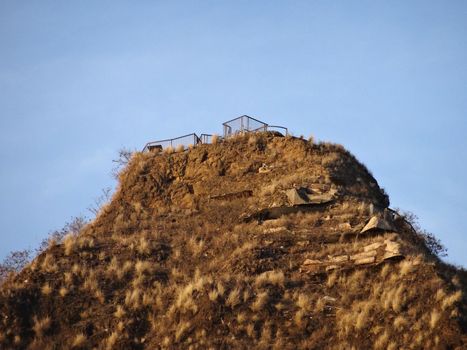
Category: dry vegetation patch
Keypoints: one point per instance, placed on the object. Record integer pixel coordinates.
(166, 265)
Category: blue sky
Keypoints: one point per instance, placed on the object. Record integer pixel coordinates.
(78, 80)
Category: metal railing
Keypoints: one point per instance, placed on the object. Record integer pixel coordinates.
(185, 141)
(205, 138)
(242, 124)
(247, 124)
(275, 127)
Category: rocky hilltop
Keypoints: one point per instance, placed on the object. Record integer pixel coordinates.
(257, 241)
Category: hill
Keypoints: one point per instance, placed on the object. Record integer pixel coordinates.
(258, 241)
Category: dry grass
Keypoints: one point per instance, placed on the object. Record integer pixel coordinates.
(270, 278)
(405, 267)
(215, 139)
(78, 340)
(434, 318)
(119, 312)
(144, 247)
(234, 298)
(362, 314)
(76, 269)
(69, 243)
(196, 246)
(381, 341)
(182, 330)
(133, 298)
(17, 340)
(213, 295)
(169, 150)
(398, 298)
(250, 330)
(450, 300)
(154, 289)
(440, 294)
(85, 242)
(242, 317)
(332, 278)
(48, 264)
(46, 289)
(300, 319)
(180, 148)
(111, 341)
(220, 288)
(320, 305)
(260, 302)
(41, 326)
(68, 278)
(304, 302)
(63, 292)
(400, 322)
(113, 267)
(385, 271)
(184, 301)
(126, 268)
(99, 295)
(90, 283)
(142, 266)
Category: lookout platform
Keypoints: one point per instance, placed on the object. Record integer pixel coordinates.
(236, 126)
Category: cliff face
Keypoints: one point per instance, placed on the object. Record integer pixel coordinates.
(259, 241)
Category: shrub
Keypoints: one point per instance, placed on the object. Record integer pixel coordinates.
(14, 262)
(432, 244)
(124, 156)
(74, 226)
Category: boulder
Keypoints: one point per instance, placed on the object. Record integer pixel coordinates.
(338, 259)
(297, 196)
(363, 261)
(372, 246)
(392, 250)
(311, 262)
(378, 223)
(264, 169)
(301, 196)
(363, 255)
